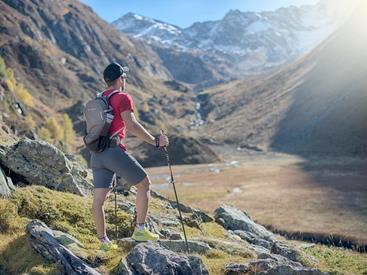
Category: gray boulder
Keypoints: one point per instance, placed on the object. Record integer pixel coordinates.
(4, 187)
(152, 258)
(42, 163)
(170, 235)
(53, 246)
(236, 269)
(253, 238)
(285, 250)
(178, 246)
(234, 219)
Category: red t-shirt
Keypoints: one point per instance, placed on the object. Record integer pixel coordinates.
(119, 102)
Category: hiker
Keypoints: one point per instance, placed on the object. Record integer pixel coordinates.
(115, 158)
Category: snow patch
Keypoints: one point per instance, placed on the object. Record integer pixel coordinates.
(138, 17)
(258, 26)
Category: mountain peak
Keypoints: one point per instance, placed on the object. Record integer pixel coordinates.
(136, 16)
(139, 25)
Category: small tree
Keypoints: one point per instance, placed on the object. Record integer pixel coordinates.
(68, 133)
(53, 126)
(2, 68)
(10, 83)
(44, 134)
(24, 95)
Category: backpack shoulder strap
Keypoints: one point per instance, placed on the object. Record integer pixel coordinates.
(111, 94)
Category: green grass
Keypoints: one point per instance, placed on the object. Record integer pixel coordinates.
(61, 211)
(338, 261)
(217, 260)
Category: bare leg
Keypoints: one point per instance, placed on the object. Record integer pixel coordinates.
(100, 196)
(142, 200)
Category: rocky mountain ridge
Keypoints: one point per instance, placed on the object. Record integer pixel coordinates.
(240, 43)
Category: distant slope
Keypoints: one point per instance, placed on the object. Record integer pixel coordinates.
(315, 105)
(329, 112)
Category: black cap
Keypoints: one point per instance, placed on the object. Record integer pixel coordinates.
(114, 71)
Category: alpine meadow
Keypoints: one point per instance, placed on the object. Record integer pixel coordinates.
(183, 137)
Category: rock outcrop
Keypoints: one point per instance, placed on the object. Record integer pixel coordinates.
(42, 163)
(6, 184)
(152, 258)
(273, 256)
(50, 245)
(183, 150)
(234, 219)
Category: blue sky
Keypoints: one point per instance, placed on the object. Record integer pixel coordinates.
(184, 12)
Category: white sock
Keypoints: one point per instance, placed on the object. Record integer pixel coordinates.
(105, 239)
(140, 226)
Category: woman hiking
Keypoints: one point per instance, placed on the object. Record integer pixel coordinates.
(116, 160)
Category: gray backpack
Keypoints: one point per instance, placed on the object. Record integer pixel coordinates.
(98, 117)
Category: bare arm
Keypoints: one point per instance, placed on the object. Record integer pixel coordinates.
(134, 127)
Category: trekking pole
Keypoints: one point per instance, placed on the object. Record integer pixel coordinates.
(178, 204)
(115, 192)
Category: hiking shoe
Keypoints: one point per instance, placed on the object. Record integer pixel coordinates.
(107, 246)
(145, 235)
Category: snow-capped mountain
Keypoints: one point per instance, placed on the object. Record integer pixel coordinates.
(241, 42)
(141, 26)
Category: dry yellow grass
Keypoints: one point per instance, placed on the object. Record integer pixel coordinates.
(277, 191)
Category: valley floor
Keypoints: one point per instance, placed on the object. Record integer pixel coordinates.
(318, 196)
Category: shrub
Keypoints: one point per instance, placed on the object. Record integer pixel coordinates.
(44, 134)
(2, 68)
(54, 127)
(30, 122)
(24, 95)
(9, 74)
(68, 133)
(11, 84)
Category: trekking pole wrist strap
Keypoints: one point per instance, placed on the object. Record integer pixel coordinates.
(157, 141)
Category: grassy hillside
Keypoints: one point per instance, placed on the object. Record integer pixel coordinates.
(71, 213)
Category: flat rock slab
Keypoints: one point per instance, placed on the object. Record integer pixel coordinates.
(46, 242)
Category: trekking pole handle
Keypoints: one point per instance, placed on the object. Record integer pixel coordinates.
(164, 147)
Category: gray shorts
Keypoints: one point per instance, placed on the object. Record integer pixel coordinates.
(115, 160)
